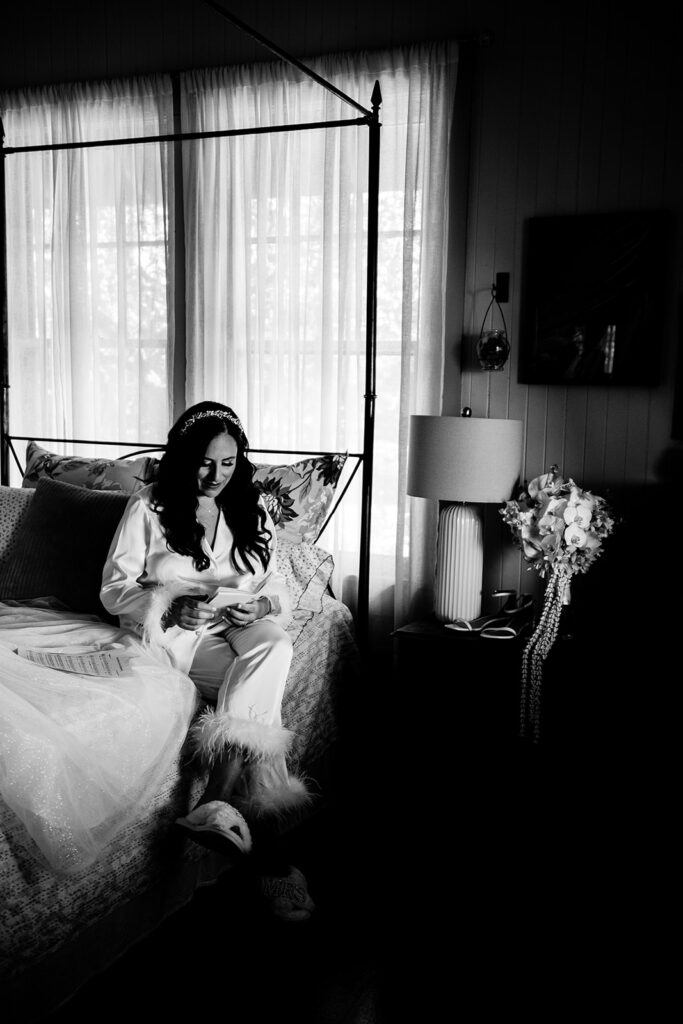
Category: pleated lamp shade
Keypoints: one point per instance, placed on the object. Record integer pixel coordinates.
(468, 461)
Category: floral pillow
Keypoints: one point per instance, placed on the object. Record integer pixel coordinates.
(299, 496)
(126, 475)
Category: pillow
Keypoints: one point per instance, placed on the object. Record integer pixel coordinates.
(307, 570)
(13, 504)
(96, 474)
(61, 545)
(299, 496)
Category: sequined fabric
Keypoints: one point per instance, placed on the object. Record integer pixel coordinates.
(79, 755)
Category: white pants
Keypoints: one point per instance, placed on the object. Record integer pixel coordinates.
(243, 670)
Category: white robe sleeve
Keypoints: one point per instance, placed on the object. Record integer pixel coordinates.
(122, 592)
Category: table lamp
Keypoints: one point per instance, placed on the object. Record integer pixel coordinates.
(466, 461)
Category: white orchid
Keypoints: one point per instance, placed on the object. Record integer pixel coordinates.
(557, 523)
(580, 514)
(575, 537)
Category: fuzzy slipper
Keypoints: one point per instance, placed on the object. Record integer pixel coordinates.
(286, 897)
(218, 826)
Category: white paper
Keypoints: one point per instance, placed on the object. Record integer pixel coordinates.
(87, 663)
(226, 596)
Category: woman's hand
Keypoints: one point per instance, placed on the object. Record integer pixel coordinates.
(247, 612)
(191, 613)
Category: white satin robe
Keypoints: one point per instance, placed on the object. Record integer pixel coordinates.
(140, 569)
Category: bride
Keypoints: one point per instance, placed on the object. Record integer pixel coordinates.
(80, 754)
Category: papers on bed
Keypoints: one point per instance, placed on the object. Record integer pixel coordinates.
(83, 662)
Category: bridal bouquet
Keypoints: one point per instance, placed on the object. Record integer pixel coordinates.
(560, 529)
(558, 525)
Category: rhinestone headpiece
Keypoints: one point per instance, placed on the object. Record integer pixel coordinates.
(216, 414)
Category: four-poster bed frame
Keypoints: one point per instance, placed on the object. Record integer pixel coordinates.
(63, 931)
(368, 118)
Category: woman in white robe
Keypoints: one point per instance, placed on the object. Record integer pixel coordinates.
(192, 569)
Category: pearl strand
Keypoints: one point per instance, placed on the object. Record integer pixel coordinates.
(538, 648)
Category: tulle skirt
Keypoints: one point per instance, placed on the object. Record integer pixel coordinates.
(81, 754)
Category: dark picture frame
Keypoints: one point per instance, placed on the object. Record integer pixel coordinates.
(594, 298)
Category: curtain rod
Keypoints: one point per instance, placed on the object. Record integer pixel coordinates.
(283, 55)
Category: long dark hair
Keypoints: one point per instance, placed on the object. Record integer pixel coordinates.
(175, 494)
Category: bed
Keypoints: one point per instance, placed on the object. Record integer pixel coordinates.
(57, 930)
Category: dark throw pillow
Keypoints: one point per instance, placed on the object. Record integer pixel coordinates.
(61, 546)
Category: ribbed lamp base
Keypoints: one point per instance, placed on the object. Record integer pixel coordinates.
(459, 564)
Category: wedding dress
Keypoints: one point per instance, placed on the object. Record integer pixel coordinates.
(81, 754)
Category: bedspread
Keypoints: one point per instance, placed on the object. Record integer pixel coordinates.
(42, 911)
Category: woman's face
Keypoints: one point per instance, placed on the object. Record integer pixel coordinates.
(217, 466)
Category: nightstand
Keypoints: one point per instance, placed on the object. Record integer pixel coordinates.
(473, 684)
(470, 683)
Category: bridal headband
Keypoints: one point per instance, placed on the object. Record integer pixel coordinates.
(216, 414)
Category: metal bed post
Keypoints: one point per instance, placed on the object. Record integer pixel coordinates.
(4, 350)
(370, 367)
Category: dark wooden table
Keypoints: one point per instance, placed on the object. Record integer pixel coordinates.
(470, 683)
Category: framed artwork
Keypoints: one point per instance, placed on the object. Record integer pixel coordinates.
(594, 292)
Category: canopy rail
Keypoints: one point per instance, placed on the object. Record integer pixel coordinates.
(137, 140)
(282, 54)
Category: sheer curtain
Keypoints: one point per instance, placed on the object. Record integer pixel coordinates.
(276, 253)
(88, 236)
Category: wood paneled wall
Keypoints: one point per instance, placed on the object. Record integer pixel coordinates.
(575, 113)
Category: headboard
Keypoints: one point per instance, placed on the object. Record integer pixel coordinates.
(301, 493)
